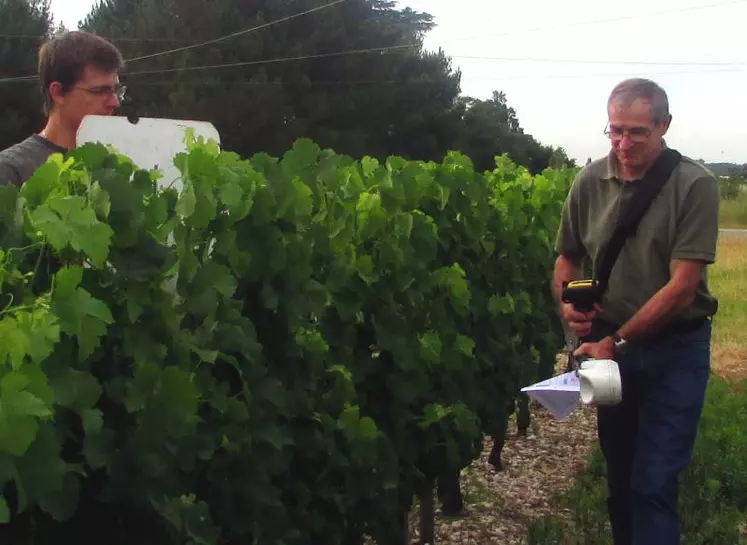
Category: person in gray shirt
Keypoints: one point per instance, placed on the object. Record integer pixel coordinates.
(79, 76)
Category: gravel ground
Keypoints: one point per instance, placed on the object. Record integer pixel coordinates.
(500, 505)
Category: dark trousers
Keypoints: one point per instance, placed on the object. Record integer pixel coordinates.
(647, 439)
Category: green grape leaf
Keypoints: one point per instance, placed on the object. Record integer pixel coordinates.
(68, 221)
(367, 429)
(453, 278)
(42, 330)
(46, 477)
(369, 165)
(20, 406)
(371, 216)
(18, 399)
(16, 432)
(14, 342)
(80, 314)
(430, 347)
(44, 181)
(62, 504)
(465, 345)
(99, 200)
(185, 207)
(501, 304)
(77, 390)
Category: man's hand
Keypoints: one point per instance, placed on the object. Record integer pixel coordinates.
(602, 350)
(579, 322)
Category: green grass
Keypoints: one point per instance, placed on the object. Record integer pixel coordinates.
(713, 489)
(728, 280)
(733, 213)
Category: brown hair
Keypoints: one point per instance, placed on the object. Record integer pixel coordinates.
(64, 58)
(645, 89)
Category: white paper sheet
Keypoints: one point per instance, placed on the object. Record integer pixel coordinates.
(560, 395)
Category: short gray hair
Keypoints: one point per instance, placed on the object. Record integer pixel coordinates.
(630, 89)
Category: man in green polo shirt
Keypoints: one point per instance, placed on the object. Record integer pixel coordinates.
(78, 72)
(655, 316)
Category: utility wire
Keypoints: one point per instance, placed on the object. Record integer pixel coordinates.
(122, 39)
(229, 36)
(115, 39)
(218, 83)
(264, 61)
(387, 50)
(202, 83)
(592, 61)
(18, 79)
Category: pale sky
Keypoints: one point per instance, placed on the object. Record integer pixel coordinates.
(559, 60)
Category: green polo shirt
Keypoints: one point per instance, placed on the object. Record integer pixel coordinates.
(681, 223)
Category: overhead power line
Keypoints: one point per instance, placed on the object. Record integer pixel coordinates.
(132, 39)
(387, 50)
(264, 61)
(233, 35)
(600, 61)
(119, 39)
(17, 79)
(249, 83)
(219, 83)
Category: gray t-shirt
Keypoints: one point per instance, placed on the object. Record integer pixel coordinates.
(19, 162)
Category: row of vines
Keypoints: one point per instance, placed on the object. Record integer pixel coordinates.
(283, 351)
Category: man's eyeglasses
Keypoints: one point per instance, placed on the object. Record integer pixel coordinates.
(118, 90)
(636, 134)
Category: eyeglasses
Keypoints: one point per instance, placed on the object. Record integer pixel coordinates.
(636, 134)
(118, 90)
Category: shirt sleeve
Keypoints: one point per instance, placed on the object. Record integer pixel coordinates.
(697, 225)
(8, 173)
(568, 242)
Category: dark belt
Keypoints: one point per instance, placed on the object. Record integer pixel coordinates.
(679, 327)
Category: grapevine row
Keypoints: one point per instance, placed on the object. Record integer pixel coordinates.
(286, 351)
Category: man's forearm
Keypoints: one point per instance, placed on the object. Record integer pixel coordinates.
(658, 311)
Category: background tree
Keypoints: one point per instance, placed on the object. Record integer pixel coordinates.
(491, 127)
(388, 97)
(374, 103)
(20, 102)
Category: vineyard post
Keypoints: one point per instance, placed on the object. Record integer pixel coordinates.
(427, 515)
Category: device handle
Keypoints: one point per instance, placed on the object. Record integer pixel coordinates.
(579, 360)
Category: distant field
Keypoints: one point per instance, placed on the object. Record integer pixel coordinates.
(733, 213)
(728, 281)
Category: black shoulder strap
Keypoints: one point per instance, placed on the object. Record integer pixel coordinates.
(646, 190)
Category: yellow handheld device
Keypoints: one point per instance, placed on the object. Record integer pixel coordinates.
(582, 294)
